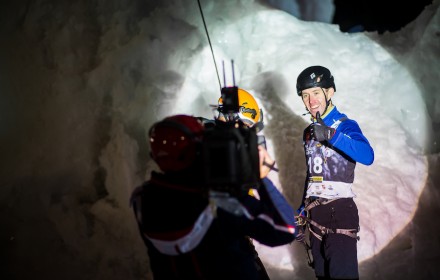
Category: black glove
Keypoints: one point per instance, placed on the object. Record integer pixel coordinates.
(319, 131)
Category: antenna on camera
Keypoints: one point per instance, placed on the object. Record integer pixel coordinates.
(224, 73)
(230, 94)
(233, 73)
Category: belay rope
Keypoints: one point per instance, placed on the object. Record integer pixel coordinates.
(210, 44)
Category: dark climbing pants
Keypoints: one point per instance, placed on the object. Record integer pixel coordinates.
(335, 257)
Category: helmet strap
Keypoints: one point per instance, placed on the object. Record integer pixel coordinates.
(327, 102)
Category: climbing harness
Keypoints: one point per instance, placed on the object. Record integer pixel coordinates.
(306, 221)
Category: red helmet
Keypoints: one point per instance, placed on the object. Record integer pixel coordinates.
(174, 142)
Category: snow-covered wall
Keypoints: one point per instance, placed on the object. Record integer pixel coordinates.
(82, 81)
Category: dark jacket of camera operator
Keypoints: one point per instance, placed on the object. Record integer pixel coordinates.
(188, 233)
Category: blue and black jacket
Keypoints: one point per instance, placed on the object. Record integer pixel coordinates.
(331, 164)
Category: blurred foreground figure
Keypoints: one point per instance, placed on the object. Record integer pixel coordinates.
(332, 144)
(248, 114)
(189, 232)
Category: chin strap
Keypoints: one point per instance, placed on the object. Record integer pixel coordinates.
(327, 103)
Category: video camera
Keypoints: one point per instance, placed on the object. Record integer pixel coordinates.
(230, 151)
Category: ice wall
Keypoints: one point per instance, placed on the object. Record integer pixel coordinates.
(81, 82)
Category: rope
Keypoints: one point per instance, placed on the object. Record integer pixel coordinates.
(210, 45)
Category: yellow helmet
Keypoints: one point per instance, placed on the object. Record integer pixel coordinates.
(249, 111)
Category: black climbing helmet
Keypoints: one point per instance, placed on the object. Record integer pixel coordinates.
(314, 76)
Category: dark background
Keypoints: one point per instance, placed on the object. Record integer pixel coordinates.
(376, 15)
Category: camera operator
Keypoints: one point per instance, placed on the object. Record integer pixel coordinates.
(188, 233)
(249, 114)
